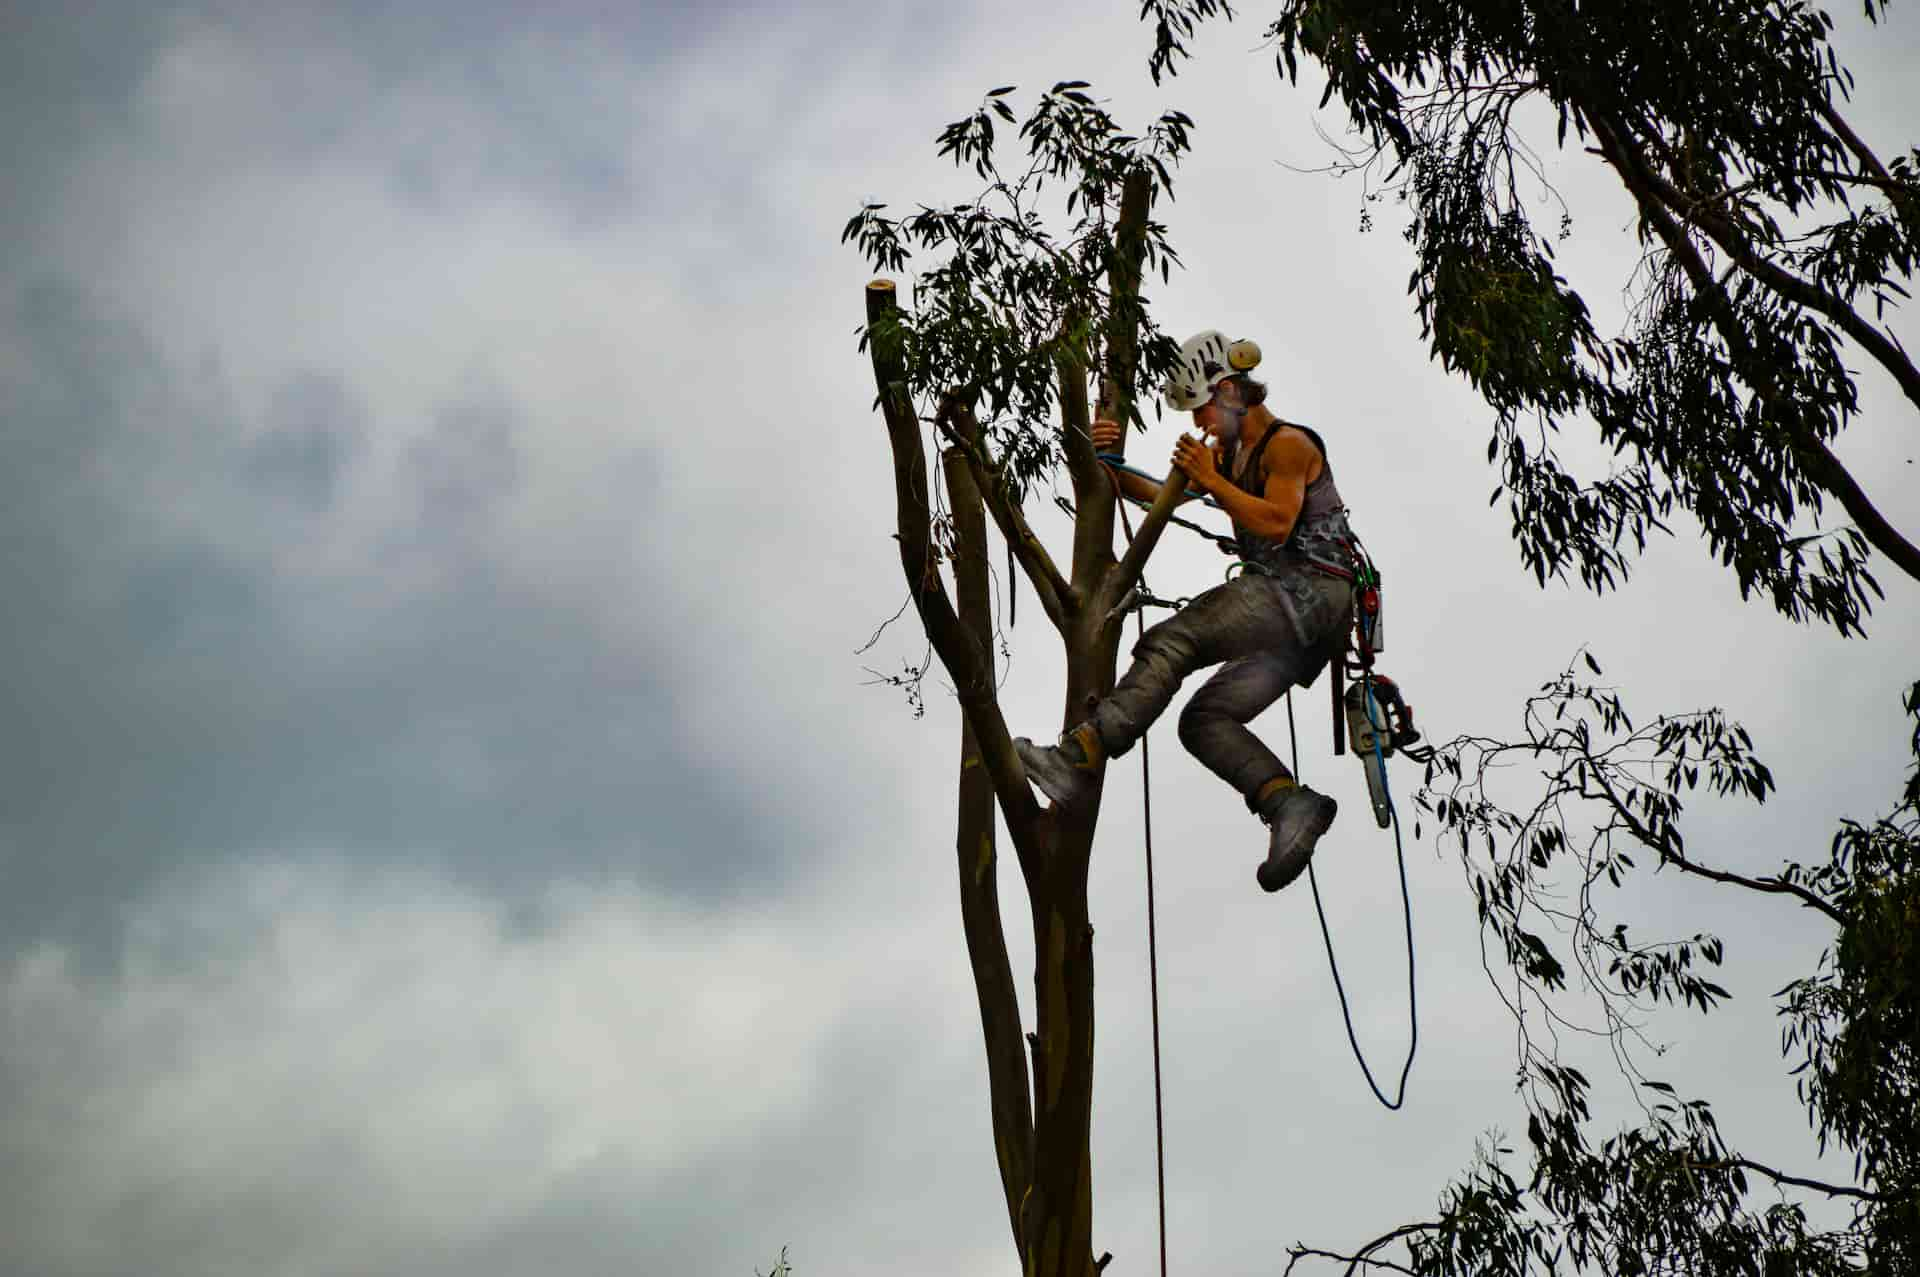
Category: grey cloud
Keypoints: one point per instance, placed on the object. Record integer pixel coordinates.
(190, 689)
(172, 699)
(315, 426)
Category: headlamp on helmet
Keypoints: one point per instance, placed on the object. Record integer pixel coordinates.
(1206, 360)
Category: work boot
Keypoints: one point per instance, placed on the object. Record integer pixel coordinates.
(1296, 817)
(1063, 772)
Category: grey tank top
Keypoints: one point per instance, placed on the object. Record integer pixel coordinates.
(1321, 536)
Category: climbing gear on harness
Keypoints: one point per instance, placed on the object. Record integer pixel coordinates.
(1371, 710)
(1206, 360)
(1064, 772)
(1379, 721)
(1296, 818)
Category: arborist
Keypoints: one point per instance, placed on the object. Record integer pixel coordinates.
(1273, 626)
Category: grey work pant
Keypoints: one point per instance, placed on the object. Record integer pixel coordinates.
(1268, 633)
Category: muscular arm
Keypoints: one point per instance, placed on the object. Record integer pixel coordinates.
(1292, 462)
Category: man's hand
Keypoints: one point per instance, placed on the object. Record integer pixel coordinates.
(1106, 435)
(1196, 459)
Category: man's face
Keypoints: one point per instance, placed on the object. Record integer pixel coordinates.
(1220, 417)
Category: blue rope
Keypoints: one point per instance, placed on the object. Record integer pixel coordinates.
(1119, 462)
(1406, 905)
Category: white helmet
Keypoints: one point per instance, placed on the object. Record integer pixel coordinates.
(1206, 360)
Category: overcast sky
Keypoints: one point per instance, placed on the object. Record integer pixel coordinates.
(446, 826)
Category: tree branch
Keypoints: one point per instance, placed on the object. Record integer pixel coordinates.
(1120, 386)
(1057, 597)
(1781, 1177)
(1664, 845)
(1093, 520)
(1127, 575)
(1782, 281)
(1899, 192)
(970, 664)
(1364, 1255)
(1825, 467)
(1011, 1105)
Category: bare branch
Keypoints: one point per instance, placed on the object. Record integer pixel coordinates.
(1364, 1256)
(1781, 1177)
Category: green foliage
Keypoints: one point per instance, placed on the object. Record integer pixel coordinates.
(1671, 1194)
(1012, 303)
(1721, 396)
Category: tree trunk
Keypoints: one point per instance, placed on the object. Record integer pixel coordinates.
(1012, 1111)
(1042, 1137)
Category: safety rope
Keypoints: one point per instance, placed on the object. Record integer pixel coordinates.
(1142, 600)
(1406, 908)
(1153, 939)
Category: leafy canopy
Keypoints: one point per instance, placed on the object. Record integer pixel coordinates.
(1774, 240)
(1013, 303)
(1672, 1192)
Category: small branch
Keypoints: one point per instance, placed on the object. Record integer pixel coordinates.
(1363, 1256)
(1772, 886)
(1056, 594)
(1668, 855)
(1861, 151)
(1781, 1177)
(1353, 1262)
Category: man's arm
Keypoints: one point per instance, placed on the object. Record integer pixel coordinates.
(1290, 461)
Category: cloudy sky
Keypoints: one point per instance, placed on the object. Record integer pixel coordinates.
(446, 825)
